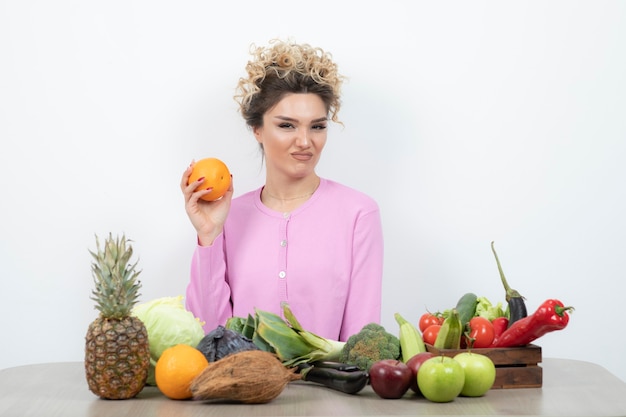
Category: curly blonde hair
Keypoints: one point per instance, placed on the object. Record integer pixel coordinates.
(286, 67)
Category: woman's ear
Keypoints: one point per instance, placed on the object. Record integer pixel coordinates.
(257, 132)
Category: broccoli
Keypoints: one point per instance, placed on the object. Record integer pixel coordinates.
(371, 344)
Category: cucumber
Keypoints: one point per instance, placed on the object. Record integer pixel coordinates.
(466, 307)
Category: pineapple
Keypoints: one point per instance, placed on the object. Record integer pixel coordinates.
(117, 355)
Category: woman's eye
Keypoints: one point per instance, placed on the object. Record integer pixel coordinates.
(285, 125)
(319, 127)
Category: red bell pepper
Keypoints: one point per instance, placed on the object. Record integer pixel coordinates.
(551, 315)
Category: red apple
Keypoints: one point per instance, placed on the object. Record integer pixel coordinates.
(390, 378)
(414, 364)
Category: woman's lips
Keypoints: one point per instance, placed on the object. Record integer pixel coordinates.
(302, 156)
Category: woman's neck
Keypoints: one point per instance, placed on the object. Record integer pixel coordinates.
(287, 197)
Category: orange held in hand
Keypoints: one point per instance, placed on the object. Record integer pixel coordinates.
(216, 176)
(176, 368)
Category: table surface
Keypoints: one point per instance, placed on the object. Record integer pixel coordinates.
(570, 388)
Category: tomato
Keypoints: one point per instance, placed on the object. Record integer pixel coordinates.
(430, 334)
(482, 331)
(429, 319)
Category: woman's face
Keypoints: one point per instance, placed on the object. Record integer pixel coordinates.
(293, 135)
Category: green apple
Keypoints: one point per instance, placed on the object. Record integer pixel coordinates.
(480, 373)
(440, 379)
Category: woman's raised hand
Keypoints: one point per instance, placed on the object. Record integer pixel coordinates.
(207, 217)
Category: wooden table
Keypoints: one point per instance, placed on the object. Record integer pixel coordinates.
(570, 388)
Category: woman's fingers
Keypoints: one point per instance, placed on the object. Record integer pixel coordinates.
(193, 196)
(184, 181)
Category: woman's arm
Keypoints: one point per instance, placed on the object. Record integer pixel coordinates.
(208, 293)
(363, 304)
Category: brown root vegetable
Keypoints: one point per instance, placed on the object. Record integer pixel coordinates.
(251, 377)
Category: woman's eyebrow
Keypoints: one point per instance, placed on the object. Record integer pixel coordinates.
(291, 119)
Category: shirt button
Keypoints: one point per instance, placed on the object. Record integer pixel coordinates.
(282, 274)
(285, 215)
(283, 243)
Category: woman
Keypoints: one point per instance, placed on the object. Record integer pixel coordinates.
(300, 239)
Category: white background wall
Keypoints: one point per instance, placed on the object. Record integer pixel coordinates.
(468, 122)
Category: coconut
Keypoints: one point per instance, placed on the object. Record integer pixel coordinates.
(251, 377)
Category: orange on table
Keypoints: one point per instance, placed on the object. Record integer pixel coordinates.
(216, 175)
(176, 368)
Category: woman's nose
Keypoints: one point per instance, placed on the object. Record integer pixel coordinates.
(303, 139)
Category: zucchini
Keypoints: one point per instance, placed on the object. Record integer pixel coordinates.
(411, 342)
(449, 336)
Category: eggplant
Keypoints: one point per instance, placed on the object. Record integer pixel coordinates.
(336, 365)
(342, 377)
(516, 301)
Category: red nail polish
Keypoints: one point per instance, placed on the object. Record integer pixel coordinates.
(200, 179)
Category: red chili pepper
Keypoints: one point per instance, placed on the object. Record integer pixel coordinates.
(549, 316)
(499, 326)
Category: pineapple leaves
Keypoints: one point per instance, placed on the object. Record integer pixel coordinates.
(116, 285)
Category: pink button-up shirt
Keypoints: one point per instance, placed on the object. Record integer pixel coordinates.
(325, 259)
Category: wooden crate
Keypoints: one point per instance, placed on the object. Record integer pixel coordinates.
(516, 367)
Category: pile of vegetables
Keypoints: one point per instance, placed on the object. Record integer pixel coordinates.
(264, 337)
(449, 331)
(295, 346)
(342, 366)
(476, 322)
